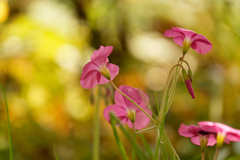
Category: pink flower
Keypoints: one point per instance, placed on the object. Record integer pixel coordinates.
(224, 132)
(98, 70)
(126, 111)
(188, 38)
(197, 134)
(189, 87)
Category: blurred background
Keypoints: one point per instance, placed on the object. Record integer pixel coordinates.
(45, 43)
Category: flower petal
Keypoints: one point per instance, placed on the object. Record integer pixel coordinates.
(201, 47)
(173, 33)
(211, 140)
(135, 94)
(188, 131)
(100, 56)
(141, 120)
(119, 111)
(113, 69)
(196, 140)
(179, 40)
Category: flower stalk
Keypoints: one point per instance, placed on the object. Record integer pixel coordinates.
(9, 126)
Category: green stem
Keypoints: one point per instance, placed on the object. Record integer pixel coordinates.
(203, 155)
(165, 100)
(216, 154)
(119, 143)
(144, 130)
(96, 127)
(9, 126)
(139, 152)
(55, 152)
(132, 101)
(146, 145)
(158, 141)
(157, 104)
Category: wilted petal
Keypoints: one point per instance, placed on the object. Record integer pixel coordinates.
(196, 140)
(211, 140)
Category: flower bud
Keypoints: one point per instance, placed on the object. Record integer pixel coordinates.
(190, 74)
(188, 83)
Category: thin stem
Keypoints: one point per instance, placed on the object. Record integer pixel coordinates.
(144, 130)
(156, 99)
(216, 154)
(158, 141)
(166, 91)
(132, 101)
(203, 155)
(185, 62)
(9, 126)
(55, 152)
(119, 143)
(96, 127)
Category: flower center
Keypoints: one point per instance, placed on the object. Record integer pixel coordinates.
(186, 45)
(131, 113)
(104, 71)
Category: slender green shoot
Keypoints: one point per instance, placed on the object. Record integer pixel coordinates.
(55, 152)
(96, 141)
(9, 126)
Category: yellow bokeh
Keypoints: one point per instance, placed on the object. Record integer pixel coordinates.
(4, 10)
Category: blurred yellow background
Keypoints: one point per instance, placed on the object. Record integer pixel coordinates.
(45, 43)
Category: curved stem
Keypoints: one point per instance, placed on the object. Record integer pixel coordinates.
(144, 130)
(132, 101)
(166, 91)
(9, 126)
(185, 62)
(216, 154)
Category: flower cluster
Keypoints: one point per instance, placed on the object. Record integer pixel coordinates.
(131, 104)
(210, 133)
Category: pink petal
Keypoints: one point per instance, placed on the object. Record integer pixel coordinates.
(211, 140)
(233, 137)
(100, 56)
(101, 79)
(196, 140)
(89, 80)
(201, 46)
(135, 94)
(141, 120)
(187, 33)
(172, 33)
(189, 87)
(119, 111)
(179, 40)
(113, 69)
(188, 131)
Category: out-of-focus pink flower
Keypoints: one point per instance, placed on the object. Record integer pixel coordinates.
(189, 87)
(98, 70)
(224, 132)
(197, 134)
(126, 111)
(188, 38)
